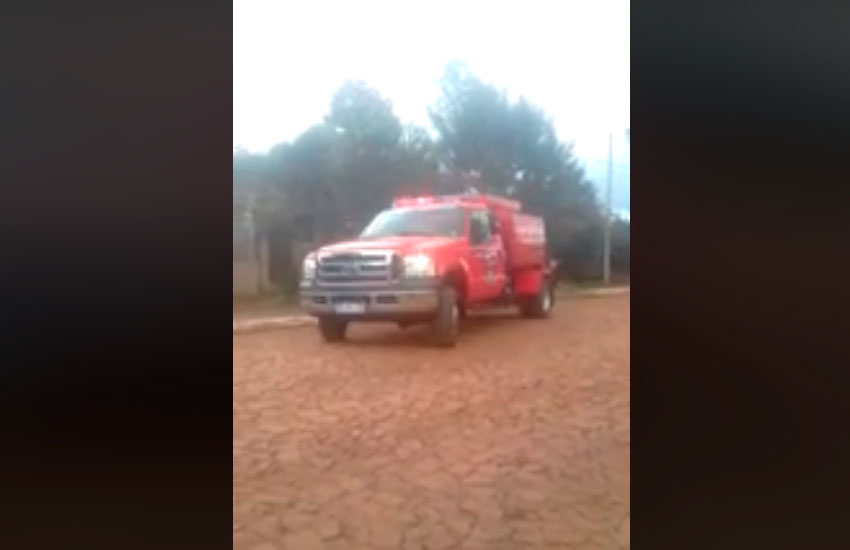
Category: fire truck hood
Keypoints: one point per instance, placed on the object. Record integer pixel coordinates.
(402, 245)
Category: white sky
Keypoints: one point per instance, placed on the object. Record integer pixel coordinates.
(571, 58)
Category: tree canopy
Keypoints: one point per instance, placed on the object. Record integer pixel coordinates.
(515, 148)
(337, 174)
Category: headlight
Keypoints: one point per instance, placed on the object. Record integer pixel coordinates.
(308, 269)
(419, 265)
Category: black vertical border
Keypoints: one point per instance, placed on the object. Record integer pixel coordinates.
(117, 365)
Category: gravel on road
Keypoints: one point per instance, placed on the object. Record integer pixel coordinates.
(518, 438)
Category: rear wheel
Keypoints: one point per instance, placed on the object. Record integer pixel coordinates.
(447, 321)
(332, 329)
(540, 305)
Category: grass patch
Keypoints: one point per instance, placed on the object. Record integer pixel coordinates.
(565, 287)
(586, 284)
(265, 303)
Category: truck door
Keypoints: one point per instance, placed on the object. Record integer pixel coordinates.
(486, 258)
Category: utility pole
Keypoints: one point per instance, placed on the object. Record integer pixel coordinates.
(606, 266)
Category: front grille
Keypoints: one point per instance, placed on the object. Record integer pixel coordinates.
(356, 268)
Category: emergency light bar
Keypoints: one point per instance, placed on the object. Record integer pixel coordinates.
(413, 201)
(487, 200)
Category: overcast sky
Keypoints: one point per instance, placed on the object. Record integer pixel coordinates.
(571, 58)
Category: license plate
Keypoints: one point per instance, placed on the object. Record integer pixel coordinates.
(350, 307)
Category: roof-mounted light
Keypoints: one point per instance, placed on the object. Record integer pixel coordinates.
(480, 198)
(414, 201)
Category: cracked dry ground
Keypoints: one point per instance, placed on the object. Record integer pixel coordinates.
(518, 438)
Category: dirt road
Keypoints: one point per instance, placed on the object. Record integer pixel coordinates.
(518, 438)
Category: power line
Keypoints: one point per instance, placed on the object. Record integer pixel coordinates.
(606, 266)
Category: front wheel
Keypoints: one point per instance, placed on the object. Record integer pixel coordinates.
(446, 323)
(540, 305)
(333, 330)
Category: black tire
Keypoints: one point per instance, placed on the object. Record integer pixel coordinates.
(333, 330)
(447, 321)
(539, 306)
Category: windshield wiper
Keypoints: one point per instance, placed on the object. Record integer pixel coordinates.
(410, 234)
(401, 234)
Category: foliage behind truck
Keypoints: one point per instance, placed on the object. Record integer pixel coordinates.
(430, 260)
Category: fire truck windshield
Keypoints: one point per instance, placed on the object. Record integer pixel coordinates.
(442, 221)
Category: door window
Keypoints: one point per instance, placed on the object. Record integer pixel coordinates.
(479, 227)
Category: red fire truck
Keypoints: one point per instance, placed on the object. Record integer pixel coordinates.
(430, 260)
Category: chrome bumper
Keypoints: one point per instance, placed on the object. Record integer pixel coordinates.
(384, 302)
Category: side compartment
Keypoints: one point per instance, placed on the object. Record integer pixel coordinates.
(527, 281)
